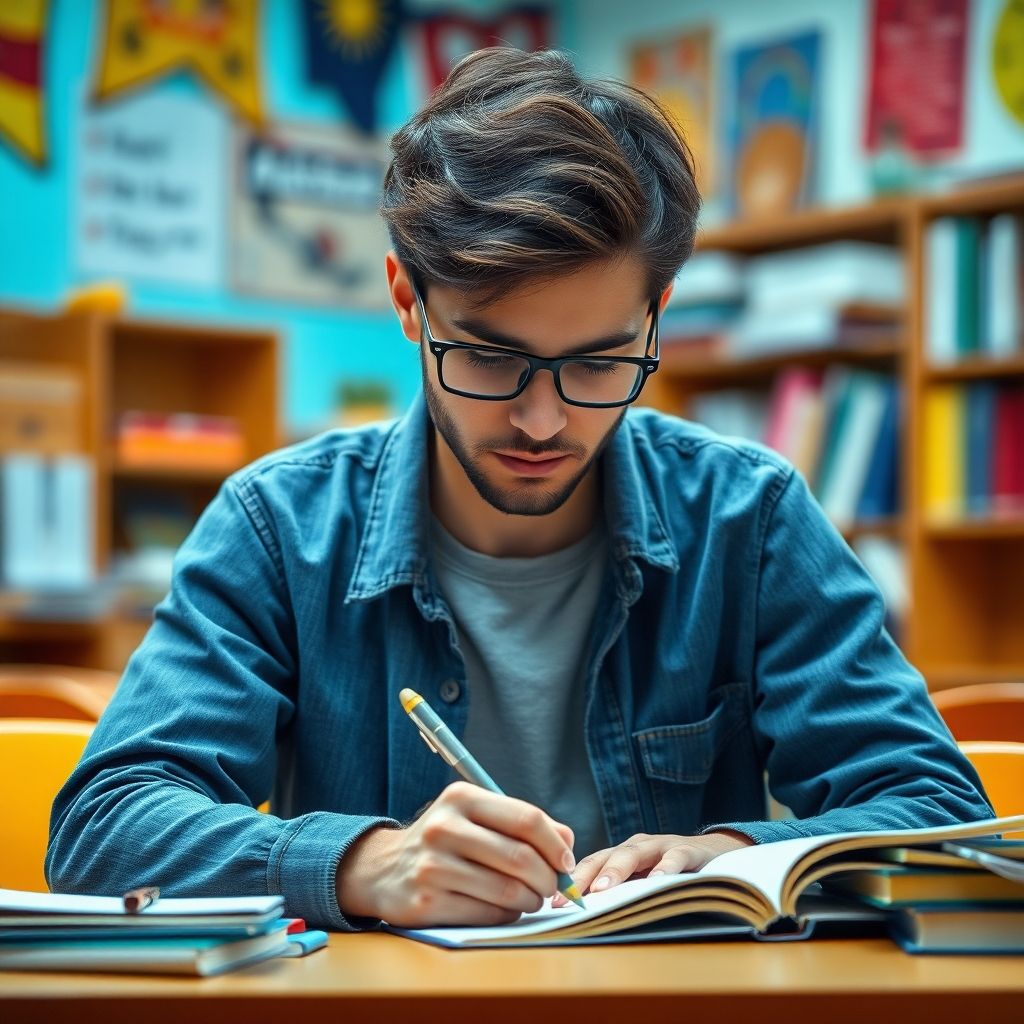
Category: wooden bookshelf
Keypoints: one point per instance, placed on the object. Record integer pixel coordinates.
(155, 367)
(966, 578)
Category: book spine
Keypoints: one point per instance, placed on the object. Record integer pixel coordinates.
(880, 495)
(968, 272)
(941, 297)
(943, 452)
(1008, 470)
(980, 438)
(1003, 286)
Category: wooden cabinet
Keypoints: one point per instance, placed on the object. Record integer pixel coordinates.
(123, 366)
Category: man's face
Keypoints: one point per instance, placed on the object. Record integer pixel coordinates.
(526, 456)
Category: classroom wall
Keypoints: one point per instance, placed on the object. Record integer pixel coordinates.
(36, 228)
(993, 141)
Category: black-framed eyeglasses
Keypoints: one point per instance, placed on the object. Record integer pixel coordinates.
(494, 374)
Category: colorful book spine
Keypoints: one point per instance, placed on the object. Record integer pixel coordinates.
(880, 494)
(1003, 286)
(1008, 468)
(943, 452)
(968, 285)
(940, 300)
(980, 440)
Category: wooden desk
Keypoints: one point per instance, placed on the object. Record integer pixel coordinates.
(382, 978)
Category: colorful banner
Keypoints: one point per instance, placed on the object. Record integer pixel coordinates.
(448, 37)
(774, 124)
(146, 40)
(677, 72)
(151, 180)
(1008, 58)
(916, 90)
(305, 223)
(22, 28)
(347, 49)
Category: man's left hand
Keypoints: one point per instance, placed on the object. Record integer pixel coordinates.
(644, 855)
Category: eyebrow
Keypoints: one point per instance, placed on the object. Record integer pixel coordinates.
(482, 332)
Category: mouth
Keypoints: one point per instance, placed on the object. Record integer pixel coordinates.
(531, 465)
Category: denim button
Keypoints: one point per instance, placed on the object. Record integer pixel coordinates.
(450, 691)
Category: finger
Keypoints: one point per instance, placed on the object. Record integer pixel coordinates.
(433, 908)
(516, 819)
(589, 868)
(676, 860)
(633, 857)
(494, 887)
(499, 853)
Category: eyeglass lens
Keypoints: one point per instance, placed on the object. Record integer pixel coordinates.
(483, 372)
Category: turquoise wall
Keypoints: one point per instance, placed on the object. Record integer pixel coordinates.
(321, 346)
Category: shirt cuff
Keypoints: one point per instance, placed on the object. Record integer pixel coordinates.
(303, 866)
(759, 831)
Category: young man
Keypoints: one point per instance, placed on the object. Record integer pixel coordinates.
(628, 620)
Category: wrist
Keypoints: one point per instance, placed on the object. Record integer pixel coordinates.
(360, 870)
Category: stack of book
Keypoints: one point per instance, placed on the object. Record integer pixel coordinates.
(974, 278)
(973, 463)
(44, 931)
(965, 897)
(147, 440)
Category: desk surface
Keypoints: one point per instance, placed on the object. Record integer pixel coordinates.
(378, 977)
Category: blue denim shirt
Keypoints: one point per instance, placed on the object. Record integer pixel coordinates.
(735, 634)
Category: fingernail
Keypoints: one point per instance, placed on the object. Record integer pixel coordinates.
(568, 860)
(602, 883)
(558, 900)
(656, 871)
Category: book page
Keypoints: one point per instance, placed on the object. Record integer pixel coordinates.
(14, 901)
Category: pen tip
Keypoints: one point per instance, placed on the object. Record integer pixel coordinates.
(572, 892)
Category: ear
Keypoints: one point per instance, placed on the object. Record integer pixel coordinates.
(403, 297)
(665, 296)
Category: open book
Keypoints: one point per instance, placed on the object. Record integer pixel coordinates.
(765, 891)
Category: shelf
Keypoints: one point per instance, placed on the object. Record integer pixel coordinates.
(968, 675)
(706, 369)
(889, 526)
(174, 474)
(878, 221)
(977, 368)
(1011, 528)
(982, 197)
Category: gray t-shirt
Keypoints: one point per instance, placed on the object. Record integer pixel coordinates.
(523, 625)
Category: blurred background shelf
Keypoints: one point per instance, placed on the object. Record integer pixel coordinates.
(178, 373)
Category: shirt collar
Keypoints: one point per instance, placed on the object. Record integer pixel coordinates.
(396, 538)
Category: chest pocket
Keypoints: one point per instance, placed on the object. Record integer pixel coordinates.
(677, 760)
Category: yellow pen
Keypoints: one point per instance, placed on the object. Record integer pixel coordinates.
(444, 742)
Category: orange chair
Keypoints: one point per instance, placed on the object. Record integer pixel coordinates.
(986, 711)
(52, 691)
(36, 757)
(1001, 767)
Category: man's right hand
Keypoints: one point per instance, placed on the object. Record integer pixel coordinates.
(473, 857)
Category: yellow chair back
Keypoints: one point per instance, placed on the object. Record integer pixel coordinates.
(1001, 767)
(36, 757)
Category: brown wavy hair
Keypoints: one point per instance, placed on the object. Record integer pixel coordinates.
(518, 169)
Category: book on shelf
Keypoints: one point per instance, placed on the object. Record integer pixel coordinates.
(972, 456)
(767, 891)
(944, 417)
(851, 441)
(732, 412)
(1008, 459)
(178, 441)
(47, 529)
(973, 280)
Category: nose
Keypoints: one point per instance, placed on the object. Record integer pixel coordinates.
(539, 411)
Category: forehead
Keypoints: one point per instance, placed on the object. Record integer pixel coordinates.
(555, 314)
